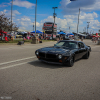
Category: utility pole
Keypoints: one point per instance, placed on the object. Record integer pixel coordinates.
(35, 16)
(78, 22)
(11, 15)
(33, 26)
(87, 27)
(54, 16)
(69, 29)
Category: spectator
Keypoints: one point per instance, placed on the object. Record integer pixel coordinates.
(82, 38)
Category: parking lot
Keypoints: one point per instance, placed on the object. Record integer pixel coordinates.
(23, 77)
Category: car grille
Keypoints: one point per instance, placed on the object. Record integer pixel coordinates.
(49, 56)
(42, 55)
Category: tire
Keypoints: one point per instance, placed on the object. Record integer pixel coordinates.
(86, 56)
(71, 62)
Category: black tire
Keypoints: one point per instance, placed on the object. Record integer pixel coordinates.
(86, 56)
(71, 62)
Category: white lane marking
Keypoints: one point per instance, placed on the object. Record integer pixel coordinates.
(13, 65)
(17, 60)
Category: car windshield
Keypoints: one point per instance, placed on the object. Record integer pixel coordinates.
(67, 44)
(66, 37)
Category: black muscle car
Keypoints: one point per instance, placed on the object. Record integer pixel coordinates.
(64, 52)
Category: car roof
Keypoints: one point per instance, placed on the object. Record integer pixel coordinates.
(72, 40)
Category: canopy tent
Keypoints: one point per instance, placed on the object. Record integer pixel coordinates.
(3, 31)
(95, 36)
(37, 31)
(24, 32)
(61, 33)
(70, 34)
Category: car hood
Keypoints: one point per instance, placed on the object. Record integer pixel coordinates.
(55, 50)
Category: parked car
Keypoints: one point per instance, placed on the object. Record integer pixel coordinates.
(19, 35)
(64, 52)
(66, 38)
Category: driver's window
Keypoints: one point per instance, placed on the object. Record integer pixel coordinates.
(80, 45)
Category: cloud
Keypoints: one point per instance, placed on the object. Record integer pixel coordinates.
(24, 19)
(8, 13)
(26, 23)
(63, 23)
(71, 20)
(4, 4)
(83, 16)
(23, 3)
(71, 8)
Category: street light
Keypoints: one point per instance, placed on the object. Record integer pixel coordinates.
(35, 16)
(54, 15)
(87, 27)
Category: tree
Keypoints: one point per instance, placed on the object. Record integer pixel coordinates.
(6, 25)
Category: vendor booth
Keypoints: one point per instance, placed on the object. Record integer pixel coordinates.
(2, 35)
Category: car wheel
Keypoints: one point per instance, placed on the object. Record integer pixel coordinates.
(71, 61)
(86, 56)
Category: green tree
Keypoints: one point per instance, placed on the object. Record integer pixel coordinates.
(6, 25)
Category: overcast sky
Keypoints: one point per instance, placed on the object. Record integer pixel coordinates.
(67, 13)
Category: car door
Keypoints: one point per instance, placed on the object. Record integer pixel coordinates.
(76, 51)
(82, 49)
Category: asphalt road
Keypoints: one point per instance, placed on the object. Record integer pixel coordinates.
(23, 77)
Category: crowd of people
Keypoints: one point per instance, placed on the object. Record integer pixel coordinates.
(70, 37)
(95, 39)
(40, 37)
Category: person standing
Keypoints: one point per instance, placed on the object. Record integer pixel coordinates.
(82, 38)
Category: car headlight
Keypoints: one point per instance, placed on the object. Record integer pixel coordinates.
(37, 53)
(59, 56)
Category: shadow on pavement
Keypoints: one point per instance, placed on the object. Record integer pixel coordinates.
(38, 63)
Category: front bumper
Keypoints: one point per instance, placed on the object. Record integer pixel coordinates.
(51, 62)
(55, 61)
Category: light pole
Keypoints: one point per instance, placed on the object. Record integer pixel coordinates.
(11, 14)
(33, 26)
(78, 22)
(54, 15)
(69, 29)
(78, 18)
(35, 16)
(87, 27)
